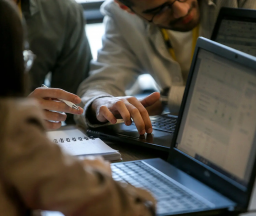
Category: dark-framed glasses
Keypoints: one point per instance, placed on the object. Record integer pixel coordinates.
(163, 12)
(29, 58)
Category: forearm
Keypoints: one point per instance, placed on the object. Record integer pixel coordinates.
(105, 81)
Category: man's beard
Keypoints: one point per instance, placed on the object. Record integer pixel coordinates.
(172, 24)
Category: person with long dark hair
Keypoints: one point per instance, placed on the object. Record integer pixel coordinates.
(34, 173)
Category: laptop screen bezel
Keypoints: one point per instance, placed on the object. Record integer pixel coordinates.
(194, 167)
(235, 14)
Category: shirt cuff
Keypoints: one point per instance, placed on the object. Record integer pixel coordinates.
(82, 119)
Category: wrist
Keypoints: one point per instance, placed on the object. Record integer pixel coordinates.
(90, 115)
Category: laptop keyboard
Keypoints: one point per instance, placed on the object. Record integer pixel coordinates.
(170, 197)
(163, 123)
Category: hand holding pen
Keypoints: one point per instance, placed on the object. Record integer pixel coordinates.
(55, 103)
(70, 104)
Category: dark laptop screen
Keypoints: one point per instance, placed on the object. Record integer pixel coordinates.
(219, 121)
(240, 35)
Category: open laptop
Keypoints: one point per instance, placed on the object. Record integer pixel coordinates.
(212, 159)
(235, 28)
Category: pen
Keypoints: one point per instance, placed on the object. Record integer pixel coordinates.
(70, 104)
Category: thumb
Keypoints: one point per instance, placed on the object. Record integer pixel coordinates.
(151, 99)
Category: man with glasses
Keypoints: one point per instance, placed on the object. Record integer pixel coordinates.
(56, 35)
(146, 36)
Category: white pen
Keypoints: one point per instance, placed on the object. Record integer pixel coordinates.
(70, 104)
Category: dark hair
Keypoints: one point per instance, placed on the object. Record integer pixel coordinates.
(11, 51)
(128, 3)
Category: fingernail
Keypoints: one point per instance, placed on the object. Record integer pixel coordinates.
(150, 130)
(128, 123)
(143, 132)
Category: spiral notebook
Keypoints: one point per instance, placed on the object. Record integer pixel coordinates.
(76, 143)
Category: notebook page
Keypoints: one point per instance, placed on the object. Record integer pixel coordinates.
(76, 142)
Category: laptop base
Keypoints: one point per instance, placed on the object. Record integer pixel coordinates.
(177, 192)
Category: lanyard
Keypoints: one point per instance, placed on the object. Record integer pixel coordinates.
(167, 41)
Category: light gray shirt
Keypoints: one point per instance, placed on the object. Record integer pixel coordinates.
(132, 46)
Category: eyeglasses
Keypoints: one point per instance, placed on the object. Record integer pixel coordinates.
(163, 12)
(29, 58)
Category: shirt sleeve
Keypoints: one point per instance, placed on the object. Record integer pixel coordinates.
(73, 61)
(115, 70)
(56, 34)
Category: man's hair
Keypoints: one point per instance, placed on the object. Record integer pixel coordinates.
(11, 46)
(128, 3)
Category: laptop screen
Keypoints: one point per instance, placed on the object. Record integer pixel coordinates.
(219, 121)
(238, 34)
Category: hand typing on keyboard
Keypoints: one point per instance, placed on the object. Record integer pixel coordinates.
(109, 109)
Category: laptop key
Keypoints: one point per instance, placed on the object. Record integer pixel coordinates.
(163, 123)
(170, 197)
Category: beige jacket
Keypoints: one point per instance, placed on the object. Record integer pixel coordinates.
(35, 174)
